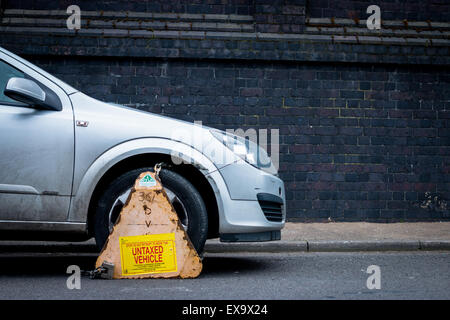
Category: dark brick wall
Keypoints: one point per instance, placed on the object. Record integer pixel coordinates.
(181, 6)
(358, 142)
(364, 127)
(285, 16)
(270, 11)
(412, 10)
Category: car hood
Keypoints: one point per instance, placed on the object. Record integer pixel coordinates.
(147, 115)
(115, 118)
(108, 125)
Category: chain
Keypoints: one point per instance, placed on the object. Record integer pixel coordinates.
(157, 168)
(105, 271)
(94, 274)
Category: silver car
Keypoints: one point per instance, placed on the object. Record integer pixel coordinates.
(68, 162)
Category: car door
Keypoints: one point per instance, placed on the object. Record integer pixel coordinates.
(36, 152)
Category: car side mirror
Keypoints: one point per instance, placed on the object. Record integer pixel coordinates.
(29, 92)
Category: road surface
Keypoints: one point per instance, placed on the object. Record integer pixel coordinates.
(403, 275)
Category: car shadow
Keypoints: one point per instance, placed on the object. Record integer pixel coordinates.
(26, 264)
(228, 264)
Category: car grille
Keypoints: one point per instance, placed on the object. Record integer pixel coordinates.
(272, 210)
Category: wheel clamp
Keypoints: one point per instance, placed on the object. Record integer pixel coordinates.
(148, 240)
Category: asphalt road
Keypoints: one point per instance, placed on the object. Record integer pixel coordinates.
(413, 275)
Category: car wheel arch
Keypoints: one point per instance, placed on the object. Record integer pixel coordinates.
(189, 171)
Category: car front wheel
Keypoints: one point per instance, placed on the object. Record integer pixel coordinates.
(184, 197)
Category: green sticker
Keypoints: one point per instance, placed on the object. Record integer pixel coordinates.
(147, 181)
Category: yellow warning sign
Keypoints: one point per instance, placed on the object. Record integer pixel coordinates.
(153, 253)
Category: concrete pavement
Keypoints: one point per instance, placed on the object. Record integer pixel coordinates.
(349, 236)
(363, 231)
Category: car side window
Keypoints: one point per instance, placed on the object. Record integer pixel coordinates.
(7, 72)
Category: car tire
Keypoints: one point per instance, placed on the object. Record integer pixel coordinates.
(197, 226)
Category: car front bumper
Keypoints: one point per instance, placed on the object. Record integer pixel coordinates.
(251, 202)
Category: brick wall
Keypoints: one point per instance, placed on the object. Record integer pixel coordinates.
(180, 6)
(364, 127)
(411, 10)
(357, 142)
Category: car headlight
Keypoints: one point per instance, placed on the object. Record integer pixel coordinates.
(246, 149)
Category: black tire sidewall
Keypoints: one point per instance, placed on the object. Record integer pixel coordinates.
(180, 186)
